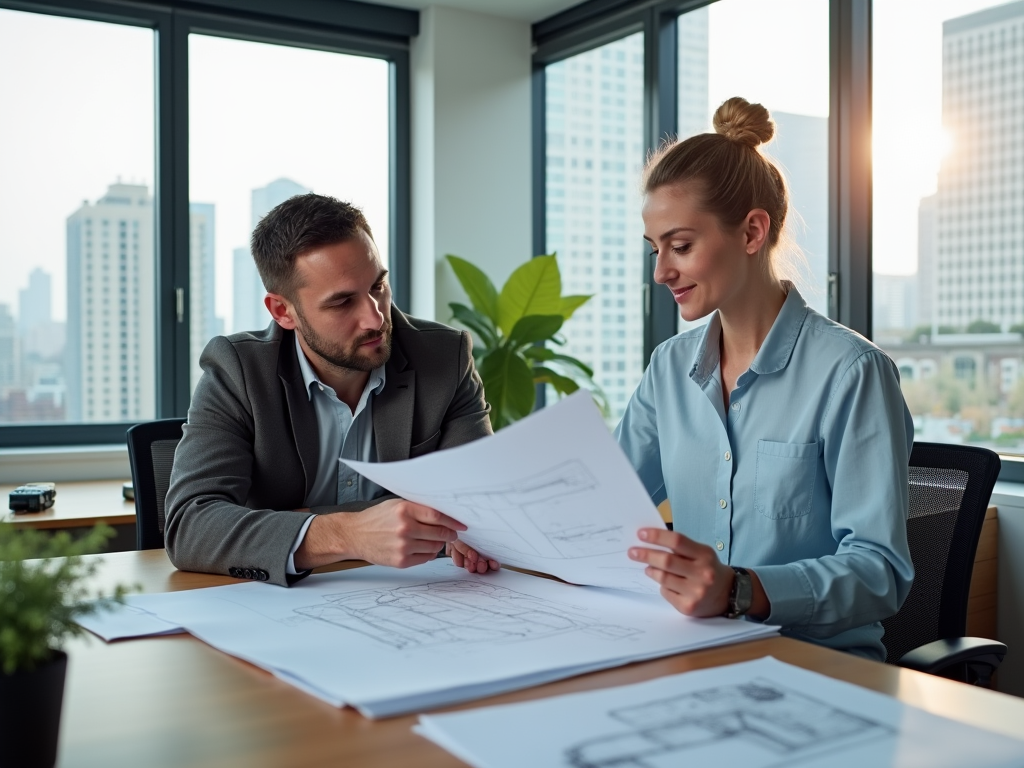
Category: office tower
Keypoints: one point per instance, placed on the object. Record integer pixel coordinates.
(249, 312)
(202, 320)
(926, 260)
(979, 264)
(8, 349)
(595, 150)
(801, 149)
(34, 302)
(693, 114)
(894, 303)
(110, 352)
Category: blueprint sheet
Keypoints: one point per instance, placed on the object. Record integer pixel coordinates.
(553, 493)
(758, 714)
(388, 641)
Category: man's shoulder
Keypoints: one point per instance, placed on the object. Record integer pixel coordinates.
(415, 332)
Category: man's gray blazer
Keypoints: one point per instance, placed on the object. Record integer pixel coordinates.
(250, 448)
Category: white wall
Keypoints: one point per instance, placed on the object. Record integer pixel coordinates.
(1009, 498)
(471, 172)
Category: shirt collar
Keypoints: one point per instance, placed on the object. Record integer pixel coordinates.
(374, 384)
(775, 351)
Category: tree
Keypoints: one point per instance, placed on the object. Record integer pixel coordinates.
(982, 326)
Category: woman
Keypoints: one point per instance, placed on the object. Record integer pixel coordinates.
(780, 438)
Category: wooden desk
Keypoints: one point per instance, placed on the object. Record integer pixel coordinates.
(78, 505)
(174, 701)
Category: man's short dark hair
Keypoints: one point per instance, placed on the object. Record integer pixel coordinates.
(297, 226)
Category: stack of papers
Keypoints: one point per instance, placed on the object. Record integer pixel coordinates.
(757, 714)
(390, 642)
(552, 493)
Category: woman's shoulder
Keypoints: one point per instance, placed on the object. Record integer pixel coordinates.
(828, 334)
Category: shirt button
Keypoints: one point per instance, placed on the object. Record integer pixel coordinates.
(723, 503)
(728, 455)
(348, 483)
(735, 406)
(321, 387)
(719, 546)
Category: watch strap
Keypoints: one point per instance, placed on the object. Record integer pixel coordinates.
(741, 596)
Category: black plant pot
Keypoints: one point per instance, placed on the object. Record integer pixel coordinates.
(30, 705)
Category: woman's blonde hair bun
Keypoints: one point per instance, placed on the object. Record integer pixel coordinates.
(745, 123)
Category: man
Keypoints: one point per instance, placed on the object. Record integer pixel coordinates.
(340, 373)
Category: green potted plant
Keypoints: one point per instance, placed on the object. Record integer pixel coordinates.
(514, 327)
(39, 602)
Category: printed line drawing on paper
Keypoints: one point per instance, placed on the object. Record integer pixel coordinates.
(454, 612)
(547, 514)
(761, 723)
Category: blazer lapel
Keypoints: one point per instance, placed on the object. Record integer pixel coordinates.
(300, 410)
(393, 409)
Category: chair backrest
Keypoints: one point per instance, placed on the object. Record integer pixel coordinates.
(950, 489)
(151, 453)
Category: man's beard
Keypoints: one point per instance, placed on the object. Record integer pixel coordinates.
(353, 358)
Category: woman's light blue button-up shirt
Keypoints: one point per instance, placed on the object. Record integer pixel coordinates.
(802, 479)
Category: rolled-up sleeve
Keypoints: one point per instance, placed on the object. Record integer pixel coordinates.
(867, 434)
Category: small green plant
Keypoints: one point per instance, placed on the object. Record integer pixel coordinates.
(40, 599)
(513, 328)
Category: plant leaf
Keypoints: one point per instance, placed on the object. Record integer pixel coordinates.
(508, 386)
(538, 353)
(533, 328)
(571, 303)
(477, 322)
(535, 288)
(574, 363)
(562, 384)
(478, 286)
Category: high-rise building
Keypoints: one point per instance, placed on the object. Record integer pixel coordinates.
(926, 257)
(249, 313)
(8, 349)
(203, 324)
(801, 149)
(34, 302)
(694, 116)
(595, 151)
(979, 262)
(894, 303)
(109, 356)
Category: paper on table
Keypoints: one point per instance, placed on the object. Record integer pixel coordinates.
(752, 715)
(120, 622)
(553, 493)
(389, 641)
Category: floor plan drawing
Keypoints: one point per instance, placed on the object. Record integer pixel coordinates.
(454, 612)
(761, 721)
(548, 514)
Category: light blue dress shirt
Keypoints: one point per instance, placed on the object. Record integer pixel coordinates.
(343, 434)
(803, 479)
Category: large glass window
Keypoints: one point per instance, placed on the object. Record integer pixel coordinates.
(268, 122)
(948, 222)
(776, 54)
(595, 151)
(77, 322)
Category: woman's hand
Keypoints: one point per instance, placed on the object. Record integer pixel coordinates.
(691, 576)
(464, 556)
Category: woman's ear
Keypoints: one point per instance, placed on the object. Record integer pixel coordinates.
(755, 230)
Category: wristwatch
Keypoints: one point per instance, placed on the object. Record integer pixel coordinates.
(741, 595)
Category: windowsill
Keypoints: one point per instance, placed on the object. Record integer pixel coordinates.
(1008, 494)
(64, 464)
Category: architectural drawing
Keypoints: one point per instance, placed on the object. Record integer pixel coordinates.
(761, 721)
(451, 612)
(548, 513)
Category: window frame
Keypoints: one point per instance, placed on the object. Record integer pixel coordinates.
(355, 28)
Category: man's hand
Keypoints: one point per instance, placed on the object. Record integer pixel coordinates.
(464, 556)
(691, 576)
(395, 532)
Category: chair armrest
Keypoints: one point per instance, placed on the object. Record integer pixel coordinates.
(982, 655)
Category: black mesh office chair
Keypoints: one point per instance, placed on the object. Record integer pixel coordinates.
(151, 453)
(950, 488)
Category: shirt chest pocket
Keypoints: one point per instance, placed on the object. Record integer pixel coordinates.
(784, 478)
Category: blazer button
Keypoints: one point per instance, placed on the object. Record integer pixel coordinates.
(247, 573)
(232, 572)
(264, 575)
